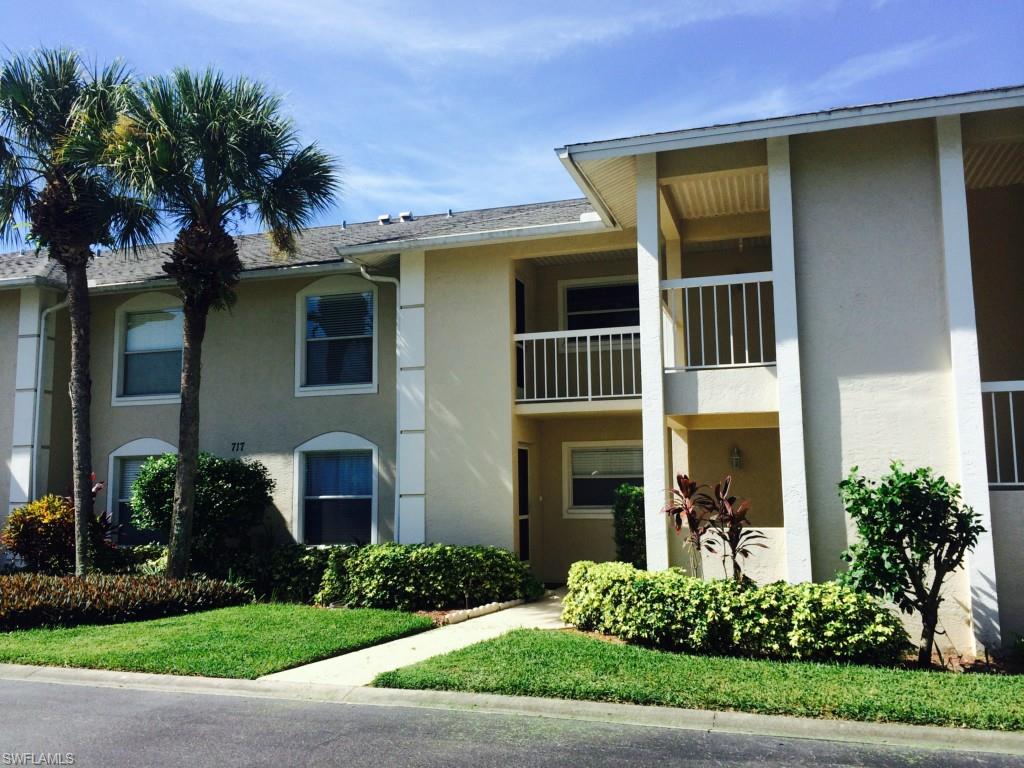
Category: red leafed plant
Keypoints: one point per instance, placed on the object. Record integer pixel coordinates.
(718, 514)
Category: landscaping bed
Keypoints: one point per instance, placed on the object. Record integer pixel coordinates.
(245, 641)
(569, 665)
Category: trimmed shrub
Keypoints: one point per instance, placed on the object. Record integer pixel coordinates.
(232, 496)
(436, 576)
(673, 611)
(292, 573)
(30, 600)
(42, 534)
(628, 517)
(334, 584)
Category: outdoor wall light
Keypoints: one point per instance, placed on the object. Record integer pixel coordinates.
(736, 458)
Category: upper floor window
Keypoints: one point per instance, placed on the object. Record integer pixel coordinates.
(601, 303)
(337, 344)
(147, 365)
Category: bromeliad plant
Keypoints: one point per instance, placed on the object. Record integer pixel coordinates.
(718, 514)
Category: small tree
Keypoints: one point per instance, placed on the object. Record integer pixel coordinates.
(232, 496)
(914, 531)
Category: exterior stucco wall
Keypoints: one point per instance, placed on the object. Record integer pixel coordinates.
(562, 541)
(996, 221)
(470, 442)
(248, 394)
(9, 303)
(874, 332)
(1007, 520)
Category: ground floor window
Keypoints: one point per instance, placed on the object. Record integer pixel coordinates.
(594, 471)
(338, 497)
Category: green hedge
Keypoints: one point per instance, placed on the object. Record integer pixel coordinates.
(435, 576)
(673, 611)
(29, 600)
(628, 518)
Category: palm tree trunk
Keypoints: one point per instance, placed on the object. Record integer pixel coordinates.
(80, 391)
(193, 332)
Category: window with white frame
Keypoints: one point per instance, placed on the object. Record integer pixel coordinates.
(338, 497)
(336, 340)
(127, 470)
(151, 353)
(594, 471)
(603, 303)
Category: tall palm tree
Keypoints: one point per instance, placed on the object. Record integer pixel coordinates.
(67, 205)
(213, 152)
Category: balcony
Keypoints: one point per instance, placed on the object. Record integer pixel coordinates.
(719, 344)
(1004, 436)
(564, 366)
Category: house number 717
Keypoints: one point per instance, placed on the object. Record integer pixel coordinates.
(238, 447)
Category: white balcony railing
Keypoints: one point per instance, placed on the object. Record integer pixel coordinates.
(1004, 433)
(597, 364)
(719, 321)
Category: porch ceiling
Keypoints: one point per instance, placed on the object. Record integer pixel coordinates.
(694, 196)
(994, 164)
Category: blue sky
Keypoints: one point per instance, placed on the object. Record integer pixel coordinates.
(460, 104)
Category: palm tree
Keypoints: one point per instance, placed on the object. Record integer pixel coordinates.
(213, 152)
(63, 202)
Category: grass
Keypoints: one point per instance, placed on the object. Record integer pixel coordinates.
(573, 666)
(244, 642)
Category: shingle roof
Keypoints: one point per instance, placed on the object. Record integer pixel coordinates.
(316, 245)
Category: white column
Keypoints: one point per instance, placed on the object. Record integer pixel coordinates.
(787, 355)
(410, 517)
(966, 371)
(22, 434)
(652, 364)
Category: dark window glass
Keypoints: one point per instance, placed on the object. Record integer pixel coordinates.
(338, 521)
(602, 306)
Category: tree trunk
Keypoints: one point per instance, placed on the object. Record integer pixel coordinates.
(929, 622)
(80, 390)
(193, 332)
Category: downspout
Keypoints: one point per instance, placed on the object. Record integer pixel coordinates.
(38, 404)
(398, 426)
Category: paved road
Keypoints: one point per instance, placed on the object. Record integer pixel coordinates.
(120, 727)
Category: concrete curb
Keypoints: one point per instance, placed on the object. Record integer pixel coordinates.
(779, 726)
(457, 617)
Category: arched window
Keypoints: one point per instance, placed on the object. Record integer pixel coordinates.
(336, 337)
(336, 479)
(147, 351)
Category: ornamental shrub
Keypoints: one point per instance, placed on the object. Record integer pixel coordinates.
(673, 611)
(334, 582)
(291, 573)
(628, 517)
(232, 496)
(42, 534)
(30, 600)
(413, 577)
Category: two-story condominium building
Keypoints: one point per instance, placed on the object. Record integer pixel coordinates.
(779, 300)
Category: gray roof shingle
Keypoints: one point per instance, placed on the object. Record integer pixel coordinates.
(315, 246)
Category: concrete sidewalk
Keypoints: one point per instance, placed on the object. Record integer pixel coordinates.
(361, 667)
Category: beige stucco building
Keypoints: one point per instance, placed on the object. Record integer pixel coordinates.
(779, 300)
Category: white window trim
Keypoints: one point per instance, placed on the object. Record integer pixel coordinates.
(144, 446)
(586, 513)
(326, 286)
(327, 442)
(141, 303)
(576, 282)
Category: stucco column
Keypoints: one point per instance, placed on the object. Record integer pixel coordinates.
(25, 434)
(787, 356)
(966, 374)
(652, 364)
(410, 511)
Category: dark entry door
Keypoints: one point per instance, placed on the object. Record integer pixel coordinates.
(523, 471)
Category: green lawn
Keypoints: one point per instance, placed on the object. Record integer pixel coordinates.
(573, 666)
(245, 641)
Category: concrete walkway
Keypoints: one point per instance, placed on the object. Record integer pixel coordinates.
(361, 667)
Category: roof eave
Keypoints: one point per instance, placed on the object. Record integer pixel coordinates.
(847, 117)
